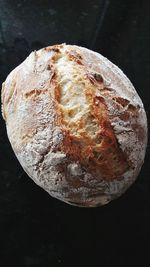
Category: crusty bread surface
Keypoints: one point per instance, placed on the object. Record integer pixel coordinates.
(75, 123)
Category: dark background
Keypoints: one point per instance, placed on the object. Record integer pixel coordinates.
(35, 229)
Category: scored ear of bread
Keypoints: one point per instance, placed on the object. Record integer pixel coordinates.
(75, 123)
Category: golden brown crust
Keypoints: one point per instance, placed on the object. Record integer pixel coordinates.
(102, 152)
(75, 123)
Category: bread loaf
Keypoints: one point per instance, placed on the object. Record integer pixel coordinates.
(75, 123)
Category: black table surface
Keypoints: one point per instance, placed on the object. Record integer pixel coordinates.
(35, 229)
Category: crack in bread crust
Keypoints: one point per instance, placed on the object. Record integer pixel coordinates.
(88, 134)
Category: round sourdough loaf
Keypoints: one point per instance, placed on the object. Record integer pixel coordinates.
(75, 123)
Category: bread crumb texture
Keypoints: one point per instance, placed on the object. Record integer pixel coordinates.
(75, 123)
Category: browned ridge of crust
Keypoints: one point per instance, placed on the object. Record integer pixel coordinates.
(101, 151)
